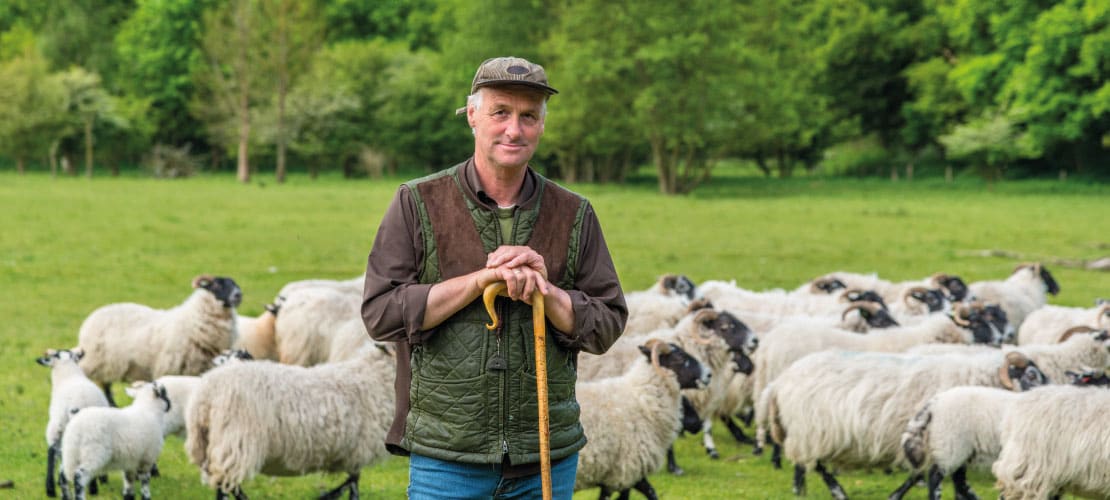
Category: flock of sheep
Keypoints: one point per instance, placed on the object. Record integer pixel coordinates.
(845, 371)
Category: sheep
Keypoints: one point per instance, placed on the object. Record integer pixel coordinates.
(867, 315)
(919, 301)
(729, 297)
(1088, 377)
(352, 286)
(954, 288)
(1055, 444)
(691, 423)
(304, 331)
(849, 409)
(180, 388)
(1020, 294)
(1044, 325)
(956, 426)
(277, 419)
(629, 436)
(256, 335)
(662, 305)
(70, 391)
(128, 439)
(130, 341)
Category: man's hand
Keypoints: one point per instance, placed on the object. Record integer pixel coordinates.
(515, 257)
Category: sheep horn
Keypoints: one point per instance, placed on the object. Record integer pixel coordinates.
(871, 307)
(960, 313)
(1013, 358)
(1103, 314)
(1074, 330)
(699, 304)
(201, 278)
(908, 294)
(846, 294)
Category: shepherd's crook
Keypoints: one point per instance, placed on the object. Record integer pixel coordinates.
(539, 331)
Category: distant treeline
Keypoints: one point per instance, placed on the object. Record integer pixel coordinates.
(1014, 89)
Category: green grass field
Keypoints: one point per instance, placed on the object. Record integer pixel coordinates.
(69, 245)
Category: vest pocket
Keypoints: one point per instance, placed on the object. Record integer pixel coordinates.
(449, 413)
(563, 411)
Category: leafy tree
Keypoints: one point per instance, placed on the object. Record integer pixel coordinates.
(990, 142)
(88, 102)
(81, 33)
(32, 107)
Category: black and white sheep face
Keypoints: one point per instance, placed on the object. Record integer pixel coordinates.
(680, 285)
(225, 289)
(734, 332)
(742, 363)
(879, 318)
(864, 296)
(934, 299)
(691, 373)
(829, 285)
(157, 390)
(52, 356)
(996, 317)
(1027, 377)
(957, 289)
(1088, 378)
(1049, 282)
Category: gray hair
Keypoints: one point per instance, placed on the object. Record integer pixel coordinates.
(475, 101)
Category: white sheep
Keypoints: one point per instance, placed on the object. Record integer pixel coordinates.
(629, 436)
(70, 391)
(1045, 325)
(180, 389)
(843, 409)
(955, 288)
(305, 328)
(1057, 443)
(956, 428)
(256, 335)
(1020, 294)
(98, 440)
(247, 418)
(660, 306)
(131, 342)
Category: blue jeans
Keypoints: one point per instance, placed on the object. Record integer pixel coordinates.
(433, 479)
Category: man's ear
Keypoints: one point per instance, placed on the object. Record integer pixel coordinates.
(470, 115)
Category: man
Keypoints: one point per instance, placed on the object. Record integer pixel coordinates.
(466, 397)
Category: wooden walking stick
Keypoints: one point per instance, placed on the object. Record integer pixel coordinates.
(539, 332)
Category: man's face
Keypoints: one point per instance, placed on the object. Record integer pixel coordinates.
(507, 126)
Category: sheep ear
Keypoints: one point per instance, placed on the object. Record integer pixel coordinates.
(646, 350)
(1072, 376)
(77, 353)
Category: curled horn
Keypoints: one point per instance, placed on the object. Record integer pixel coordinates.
(910, 291)
(1013, 358)
(871, 307)
(820, 285)
(960, 314)
(1074, 330)
(700, 317)
(699, 304)
(846, 295)
(204, 277)
(1103, 312)
(657, 347)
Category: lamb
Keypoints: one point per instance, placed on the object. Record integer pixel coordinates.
(304, 331)
(70, 391)
(352, 286)
(180, 389)
(1044, 325)
(629, 436)
(256, 335)
(1056, 444)
(102, 439)
(1020, 294)
(130, 342)
(956, 426)
(277, 419)
(849, 409)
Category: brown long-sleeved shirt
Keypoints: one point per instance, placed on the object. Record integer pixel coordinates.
(394, 300)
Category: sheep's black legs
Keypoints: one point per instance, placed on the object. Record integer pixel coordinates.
(776, 456)
(351, 483)
(963, 489)
(144, 485)
(672, 464)
(799, 480)
(905, 487)
(736, 431)
(107, 387)
(52, 453)
(128, 485)
(645, 487)
(63, 484)
(936, 477)
(605, 493)
(238, 494)
(830, 481)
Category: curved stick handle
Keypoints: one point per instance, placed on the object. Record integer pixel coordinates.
(539, 332)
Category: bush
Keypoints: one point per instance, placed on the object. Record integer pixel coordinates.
(169, 162)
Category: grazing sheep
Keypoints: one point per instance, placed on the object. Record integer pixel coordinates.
(956, 426)
(101, 439)
(305, 329)
(135, 342)
(1056, 443)
(843, 409)
(629, 436)
(1020, 294)
(256, 335)
(70, 391)
(1044, 325)
(247, 418)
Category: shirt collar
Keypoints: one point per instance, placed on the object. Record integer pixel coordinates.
(470, 176)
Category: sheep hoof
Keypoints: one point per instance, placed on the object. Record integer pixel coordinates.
(676, 470)
(713, 454)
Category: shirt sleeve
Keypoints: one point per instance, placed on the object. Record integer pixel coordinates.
(393, 299)
(600, 311)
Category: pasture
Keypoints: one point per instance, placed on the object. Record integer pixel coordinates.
(69, 245)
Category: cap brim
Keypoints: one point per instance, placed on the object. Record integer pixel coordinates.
(516, 83)
(460, 111)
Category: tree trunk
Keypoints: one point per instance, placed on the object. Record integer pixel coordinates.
(785, 168)
(659, 158)
(283, 84)
(909, 171)
(948, 174)
(242, 25)
(88, 147)
(54, 158)
(20, 165)
(761, 163)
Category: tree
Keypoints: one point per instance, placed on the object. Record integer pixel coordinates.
(990, 142)
(32, 106)
(88, 102)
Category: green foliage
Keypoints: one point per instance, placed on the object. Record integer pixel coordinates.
(142, 240)
(32, 107)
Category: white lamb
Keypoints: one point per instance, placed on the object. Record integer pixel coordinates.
(1044, 325)
(1020, 294)
(70, 391)
(842, 409)
(629, 436)
(247, 418)
(1057, 443)
(135, 342)
(98, 440)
